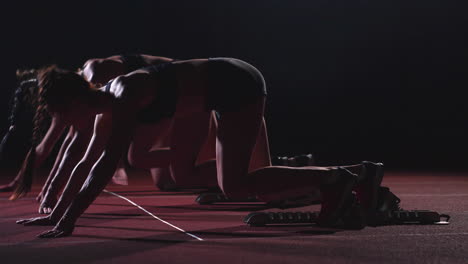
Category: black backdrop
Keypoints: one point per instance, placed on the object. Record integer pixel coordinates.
(347, 80)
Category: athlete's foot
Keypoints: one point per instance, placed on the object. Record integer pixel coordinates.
(166, 184)
(367, 189)
(313, 197)
(211, 198)
(47, 204)
(120, 177)
(301, 160)
(280, 161)
(296, 161)
(8, 187)
(337, 199)
(37, 221)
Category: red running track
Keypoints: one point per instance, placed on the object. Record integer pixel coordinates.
(114, 230)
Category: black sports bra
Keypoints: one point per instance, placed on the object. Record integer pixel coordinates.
(165, 102)
(133, 62)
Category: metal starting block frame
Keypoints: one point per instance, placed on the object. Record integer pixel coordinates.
(400, 217)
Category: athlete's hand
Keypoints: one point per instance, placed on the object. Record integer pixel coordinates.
(40, 221)
(47, 204)
(8, 187)
(58, 231)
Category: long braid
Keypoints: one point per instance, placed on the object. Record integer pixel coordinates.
(21, 110)
(41, 122)
(49, 96)
(42, 118)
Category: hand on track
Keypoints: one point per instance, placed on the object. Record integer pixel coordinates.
(8, 187)
(57, 232)
(40, 221)
(47, 204)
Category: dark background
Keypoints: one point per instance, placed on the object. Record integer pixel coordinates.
(347, 80)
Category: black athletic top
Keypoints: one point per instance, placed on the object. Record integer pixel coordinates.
(164, 104)
(133, 62)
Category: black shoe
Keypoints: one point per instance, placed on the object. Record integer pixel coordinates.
(337, 199)
(387, 202)
(296, 161)
(280, 161)
(211, 198)
(168, 186)
(388, 212)
(354, 217)
(301, 201)
(367, 188)
(301, 160)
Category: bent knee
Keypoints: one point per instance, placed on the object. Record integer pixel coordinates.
(133, 158)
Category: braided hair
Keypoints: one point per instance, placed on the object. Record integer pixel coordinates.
(54, 88)
(21, 111)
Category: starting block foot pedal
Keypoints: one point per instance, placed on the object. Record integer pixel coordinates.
(212, 198)
(276, 218)
(401, 217)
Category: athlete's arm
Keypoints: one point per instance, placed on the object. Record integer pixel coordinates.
(36, 157)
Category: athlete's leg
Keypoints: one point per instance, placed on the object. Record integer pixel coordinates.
(236, 138)
(148, 138)
(260, 158)
(188, 136)
(207, 152)
(260, 155)
(120, 175)
(261, 152)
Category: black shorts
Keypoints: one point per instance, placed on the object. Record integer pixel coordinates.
(232, 84)
(164, 105)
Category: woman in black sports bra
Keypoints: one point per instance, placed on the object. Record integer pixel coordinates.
(229, 86)
(98, 71)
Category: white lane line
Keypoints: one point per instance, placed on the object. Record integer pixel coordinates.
(461, 182)
(155, 217)
(394, 235)
(54, 243)
(433, 195)
(24, 198)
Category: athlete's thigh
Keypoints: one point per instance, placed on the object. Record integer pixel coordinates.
(188, 136)
(236, 137)
(150, 136)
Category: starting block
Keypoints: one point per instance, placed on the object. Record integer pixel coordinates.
(404, 217)
(399, 217)
(212, 198)
(276, 218)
